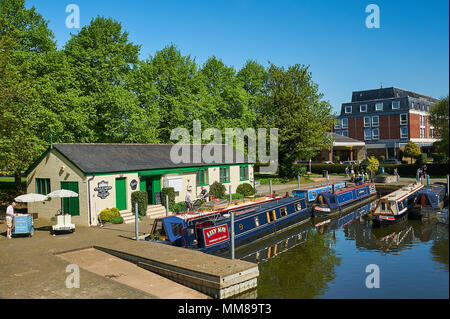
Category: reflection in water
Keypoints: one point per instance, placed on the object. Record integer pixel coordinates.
(301, 272)
(304, 262)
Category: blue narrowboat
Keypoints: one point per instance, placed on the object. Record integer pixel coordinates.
(393, 208)
(429, 200)
(211, 232)
(344, 199)
(310, 193)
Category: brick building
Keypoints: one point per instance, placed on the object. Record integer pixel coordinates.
(386, 119)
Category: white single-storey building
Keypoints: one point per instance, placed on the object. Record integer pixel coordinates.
(105, 175)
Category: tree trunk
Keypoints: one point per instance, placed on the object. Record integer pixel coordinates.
(18, 181)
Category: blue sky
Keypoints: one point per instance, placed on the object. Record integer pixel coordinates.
(410, 50)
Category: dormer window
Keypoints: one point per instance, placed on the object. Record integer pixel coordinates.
(379, 107)
(395, 105)
(348, 109)
(363, 108)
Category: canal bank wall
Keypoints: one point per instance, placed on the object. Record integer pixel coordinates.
(214, 276)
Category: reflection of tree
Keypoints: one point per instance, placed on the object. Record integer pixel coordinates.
(301, 272)
(439, 250)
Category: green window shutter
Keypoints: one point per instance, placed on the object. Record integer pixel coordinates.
(43, 186)
(71, 205)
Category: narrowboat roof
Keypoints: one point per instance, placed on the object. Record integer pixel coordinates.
(344, 190)
(432, 189)
(278, 202)
(317, 186)
(406, 190)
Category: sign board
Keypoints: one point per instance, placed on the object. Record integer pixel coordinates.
(133, 184)
(103, 189)
(215, 234)
(176, 183)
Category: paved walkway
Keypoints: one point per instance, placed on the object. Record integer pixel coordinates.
(29, 269)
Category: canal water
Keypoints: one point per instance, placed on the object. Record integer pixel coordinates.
(345, 256)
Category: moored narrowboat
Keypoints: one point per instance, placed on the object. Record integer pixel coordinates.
(429, 200)
(343, 200)
(212, 232)
(310, 193)
(393, 207)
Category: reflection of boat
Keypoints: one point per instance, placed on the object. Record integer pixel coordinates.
(344, 200)
(337, 222)
(263, 250)
(211, 231)
(442, 216)
(429, 200)
(393, 207)
(394, 240)
(311, 192)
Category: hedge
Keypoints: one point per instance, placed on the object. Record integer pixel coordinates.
(318, 168)
(403, 169)
(246, 189)
(217, 190)
(170, 191)
(140, 197)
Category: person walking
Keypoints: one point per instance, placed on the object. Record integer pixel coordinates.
(9, 219)
(346, 171)
(419, 175)
(188, 200)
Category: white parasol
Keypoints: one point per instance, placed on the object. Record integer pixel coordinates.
(30, 198)
(62, 193)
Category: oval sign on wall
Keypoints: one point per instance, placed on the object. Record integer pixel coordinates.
(133, 184)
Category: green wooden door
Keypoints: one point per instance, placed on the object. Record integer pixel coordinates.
(121, 193)
(156, 190)
(70, 205)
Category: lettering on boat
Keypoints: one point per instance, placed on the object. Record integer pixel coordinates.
(216, 234)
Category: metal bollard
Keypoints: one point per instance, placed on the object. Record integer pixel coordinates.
(298, 179)
(136, 221)
(229, 191)
(167, 205)
(232, 235)
(270, 188)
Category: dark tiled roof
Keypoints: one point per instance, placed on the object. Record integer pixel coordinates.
(105, 158)
(387, 93)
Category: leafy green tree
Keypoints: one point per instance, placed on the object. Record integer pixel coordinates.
(370, 164)
(168, 84)
(295, 106)
(102, 59)
(226, 100)
(439, 119)
(412, 150)
(24, 40)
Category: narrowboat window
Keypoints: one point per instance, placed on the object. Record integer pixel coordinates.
(298, 206)
(271, 216)
(176, 229)
(332, 200)
(314, 194)
(241, 227)
(160, 230)
(256, 221)
(283, 211)
(383, 206)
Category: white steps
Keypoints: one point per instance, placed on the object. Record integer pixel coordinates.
(128, 217)
(153, 211)
(156, 211)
